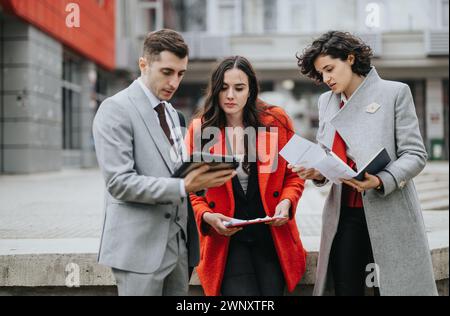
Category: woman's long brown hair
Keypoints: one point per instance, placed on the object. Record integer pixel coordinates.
(212, 115)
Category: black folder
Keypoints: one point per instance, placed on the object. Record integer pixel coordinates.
(376, 164)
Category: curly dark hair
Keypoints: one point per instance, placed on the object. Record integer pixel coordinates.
(336, 44)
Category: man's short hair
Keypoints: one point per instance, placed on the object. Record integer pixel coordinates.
(165, 40)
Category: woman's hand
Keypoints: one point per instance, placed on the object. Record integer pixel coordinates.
(216, 220)
(282, 210)
(307, 174)
(370, 182)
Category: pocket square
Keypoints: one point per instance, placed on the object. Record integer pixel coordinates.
(372, 108)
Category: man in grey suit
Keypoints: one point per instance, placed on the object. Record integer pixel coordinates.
(137, 144)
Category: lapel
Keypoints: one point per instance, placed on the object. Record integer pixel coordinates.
(145, 110)
(351, 120)
(238, 189)
(326, 132)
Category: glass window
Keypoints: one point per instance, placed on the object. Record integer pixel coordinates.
(270, 15)
(71, 102)
(259, 16)
(227, 17)
(446, 115)
(185, 15)
(300, 15)
(124, 19)
(253, 16)
(444, 12)
(150, 16)
(407, 15)
(335, 14)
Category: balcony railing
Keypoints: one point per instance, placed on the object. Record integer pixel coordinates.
(436, 42)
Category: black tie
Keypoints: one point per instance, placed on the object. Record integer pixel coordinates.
(161, 110)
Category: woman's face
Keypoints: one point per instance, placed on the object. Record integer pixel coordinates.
(235, 92)
(337, 74)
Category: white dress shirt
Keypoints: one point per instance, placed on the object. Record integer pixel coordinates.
(154, 101)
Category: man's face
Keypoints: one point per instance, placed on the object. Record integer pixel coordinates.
(163, 74)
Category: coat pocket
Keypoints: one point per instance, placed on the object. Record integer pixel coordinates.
(293, 232)
(397, 201)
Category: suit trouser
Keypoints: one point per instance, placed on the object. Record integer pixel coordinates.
(351, 253)
(252, 269)
(171, 278)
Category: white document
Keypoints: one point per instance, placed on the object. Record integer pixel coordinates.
(301, 152)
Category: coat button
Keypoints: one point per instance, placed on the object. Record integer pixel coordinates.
(177, 219)
(212, 204)
(276, 194)
(168, 216)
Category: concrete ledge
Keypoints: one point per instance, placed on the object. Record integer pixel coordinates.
(46, 273)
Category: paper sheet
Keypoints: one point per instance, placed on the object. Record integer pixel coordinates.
(301, 152)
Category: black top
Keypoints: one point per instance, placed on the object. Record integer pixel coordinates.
(250, 206)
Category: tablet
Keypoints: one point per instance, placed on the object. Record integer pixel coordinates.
(196, 160)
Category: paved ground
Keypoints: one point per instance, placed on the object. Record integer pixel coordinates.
(62, 212)
(51, 206)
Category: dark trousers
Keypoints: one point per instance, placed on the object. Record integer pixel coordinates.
(351, 252)
(252, 269)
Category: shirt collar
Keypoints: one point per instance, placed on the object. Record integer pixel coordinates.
(344, 98)
(153, 100)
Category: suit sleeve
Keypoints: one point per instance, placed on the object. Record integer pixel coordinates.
(199, 203)
(411, 152)
(114, 143)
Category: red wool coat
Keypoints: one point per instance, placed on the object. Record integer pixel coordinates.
(274, 187)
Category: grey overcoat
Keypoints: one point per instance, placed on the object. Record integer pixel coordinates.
(394, 218)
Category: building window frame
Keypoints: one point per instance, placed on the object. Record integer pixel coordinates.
(213, 12)
(146, 7)
(445, 89)
(71, 98)
(442, 21)
(285, 22)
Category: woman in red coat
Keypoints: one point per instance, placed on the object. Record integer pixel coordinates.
(261, 259)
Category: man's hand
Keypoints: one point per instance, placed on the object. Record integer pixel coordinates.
(282, 210)
(370, 182)
(200, 179)
(216, 220)
(306, 174)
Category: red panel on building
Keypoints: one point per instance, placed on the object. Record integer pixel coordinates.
(94, 39)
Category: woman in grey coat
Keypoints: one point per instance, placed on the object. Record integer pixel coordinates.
(373, 233)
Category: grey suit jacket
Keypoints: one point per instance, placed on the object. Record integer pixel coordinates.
(141, 199)
(394, 218)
